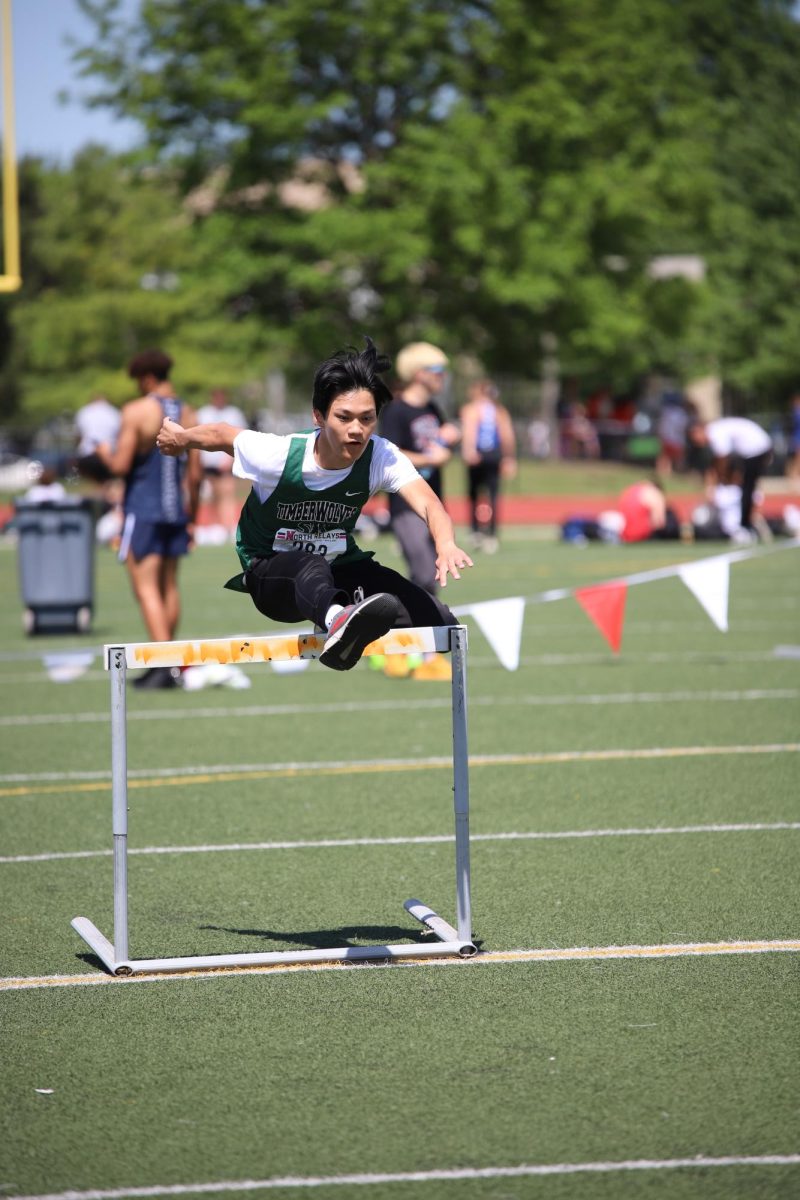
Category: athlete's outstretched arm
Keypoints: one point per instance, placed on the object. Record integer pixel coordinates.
(426, 504)
(173, 439)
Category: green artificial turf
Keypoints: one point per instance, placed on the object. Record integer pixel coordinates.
(414, 1068)
(400, 1069)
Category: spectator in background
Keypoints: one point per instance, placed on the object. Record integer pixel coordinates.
(538, 437)
(47, 488)
(640, 514)
(96, 423)
(731, 438)
(646, 514)
(415, 423)
(671, 427)
(160, 506)
(600, 405)
(579, 438)
(217, 466)
(721, 518)
(488, 447)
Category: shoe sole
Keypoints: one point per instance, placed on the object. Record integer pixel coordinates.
(344, 649)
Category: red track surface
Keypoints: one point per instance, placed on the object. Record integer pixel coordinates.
(553, 510)
(543, 510)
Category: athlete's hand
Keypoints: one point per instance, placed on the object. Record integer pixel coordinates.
(451, 560)
(169, 439)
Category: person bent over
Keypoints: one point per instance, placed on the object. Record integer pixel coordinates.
(295, 538)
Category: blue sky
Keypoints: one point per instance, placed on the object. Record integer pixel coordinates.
(42, 69)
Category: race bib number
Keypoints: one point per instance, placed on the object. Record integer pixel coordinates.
(328, 545)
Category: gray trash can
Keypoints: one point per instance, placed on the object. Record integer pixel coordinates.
(55, 559)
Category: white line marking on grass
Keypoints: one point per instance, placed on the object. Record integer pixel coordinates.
(443, 1175)
(357, 706)
(483, 958)
(241, 772)
(418, 840)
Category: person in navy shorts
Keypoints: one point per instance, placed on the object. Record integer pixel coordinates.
(160, 505)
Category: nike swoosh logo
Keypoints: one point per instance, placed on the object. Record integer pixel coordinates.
(352, 493)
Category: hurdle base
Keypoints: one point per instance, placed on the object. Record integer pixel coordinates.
(449, 943)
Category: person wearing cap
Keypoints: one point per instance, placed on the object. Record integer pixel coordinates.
(414, 422)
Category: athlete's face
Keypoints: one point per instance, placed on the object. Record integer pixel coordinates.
(346, 429)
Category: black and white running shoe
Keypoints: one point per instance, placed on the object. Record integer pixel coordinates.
(355, 627)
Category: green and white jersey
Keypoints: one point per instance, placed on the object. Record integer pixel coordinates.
(295, 504)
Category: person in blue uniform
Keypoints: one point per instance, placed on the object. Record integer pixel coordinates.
(488, 447)
(160, 504)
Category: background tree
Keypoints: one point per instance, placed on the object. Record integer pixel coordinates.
(481, 174)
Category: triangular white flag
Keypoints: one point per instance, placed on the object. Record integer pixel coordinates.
(500, 622)
(707, 580)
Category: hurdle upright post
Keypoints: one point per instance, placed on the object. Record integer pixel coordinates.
(269, 648)
(458, 650)
(119, 796)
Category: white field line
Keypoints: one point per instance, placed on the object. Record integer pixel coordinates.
(644, 628)
(420, 840)
(93, 781)
(483, 958)
(437, 702)
(442, 1175)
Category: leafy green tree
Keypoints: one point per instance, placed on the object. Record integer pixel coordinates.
(751, 325)
(112, 265)
(517, 164)
(483, 174)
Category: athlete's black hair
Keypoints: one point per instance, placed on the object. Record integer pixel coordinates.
(348, 371)
(150, 362)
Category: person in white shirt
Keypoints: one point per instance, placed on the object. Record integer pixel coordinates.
(46, 489)
(217, 465)
(295, 542)
(730, 439)
(96, 424)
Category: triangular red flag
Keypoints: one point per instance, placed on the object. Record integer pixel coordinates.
(605, 606)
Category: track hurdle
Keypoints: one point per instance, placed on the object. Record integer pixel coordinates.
(255, 649)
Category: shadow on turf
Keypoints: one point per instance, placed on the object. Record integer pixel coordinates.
(316, 939)
(92, 960)
(330, 939)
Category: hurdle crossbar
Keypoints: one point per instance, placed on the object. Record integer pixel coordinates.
(258, 649)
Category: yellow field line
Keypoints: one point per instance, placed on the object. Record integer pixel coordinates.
(386, 766)
(486, 958)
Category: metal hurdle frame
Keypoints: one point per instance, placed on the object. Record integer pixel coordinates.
(251, 649)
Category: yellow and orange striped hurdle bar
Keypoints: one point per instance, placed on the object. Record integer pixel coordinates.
(242, 650)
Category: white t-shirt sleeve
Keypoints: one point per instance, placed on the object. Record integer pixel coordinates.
(260, 457)
(390, 469)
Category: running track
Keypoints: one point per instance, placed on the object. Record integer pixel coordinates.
(553, 510)
(544, 509)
